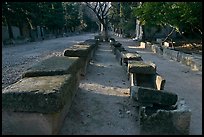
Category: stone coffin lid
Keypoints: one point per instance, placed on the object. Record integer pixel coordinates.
(153, 96)
(44, 94)
(141, 67)
(78, 51)
(131, 55)
(56, 65)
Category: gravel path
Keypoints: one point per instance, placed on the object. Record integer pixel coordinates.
(16, 59)
(102, 105)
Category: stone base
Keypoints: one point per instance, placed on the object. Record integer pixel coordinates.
(165, 121)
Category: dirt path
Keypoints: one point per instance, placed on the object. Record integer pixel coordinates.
(102, 104)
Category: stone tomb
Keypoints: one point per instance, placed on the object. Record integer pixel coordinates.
(142, 74)
(160, 112)
(165, 120)
(37, 105)
(129, 56)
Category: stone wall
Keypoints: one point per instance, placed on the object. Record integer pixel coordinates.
(194, 61)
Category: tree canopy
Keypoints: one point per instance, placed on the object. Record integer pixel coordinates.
(183, 17)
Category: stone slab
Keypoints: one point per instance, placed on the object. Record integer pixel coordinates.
(141, 67)
(92, 42)
(56, 65)
(143, 80)
(78, 51)
(131, 56)
(154, 96)
(46, 94)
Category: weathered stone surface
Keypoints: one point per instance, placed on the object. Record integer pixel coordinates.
(22, 123)
(37, 105)
(56, 65)
(172, 54)
(92, 42)
(143, 80)
(153, 96)
(141, 67)
(78, 51)
(131, 56)
(165, 121)
(46, 94)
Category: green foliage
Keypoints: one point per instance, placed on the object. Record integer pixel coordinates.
(72, 14)
(52, 15)
(182, 16)
(122, 17)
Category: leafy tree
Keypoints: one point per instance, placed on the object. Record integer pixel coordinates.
(101, 10)
(121, 17)
(180, 16)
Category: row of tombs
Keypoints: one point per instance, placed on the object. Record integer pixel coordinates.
(39, 102)
(160, 111)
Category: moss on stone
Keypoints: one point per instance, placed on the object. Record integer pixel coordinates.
(57, 65)
(141, 67)
(46, 94)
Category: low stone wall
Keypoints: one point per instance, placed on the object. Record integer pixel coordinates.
(193, 61)
(39, 102)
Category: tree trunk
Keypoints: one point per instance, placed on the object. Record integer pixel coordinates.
(21, 29)
(173, 29)
(10, 30)
(143, 35)
(104, 29)
(106, 33)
